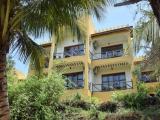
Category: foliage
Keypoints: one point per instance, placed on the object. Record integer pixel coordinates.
(12, 78)
(134, 100)
(128, 116)
(20, 19)
(142, 89)
(138, 100)
(77, 97)
(147, 38)
(137, 71)
(94, 113)
(77, 102)
(36, 98)
(158, 92)
(108, 107)
(94, 101)
(117, 96)
(54, 17)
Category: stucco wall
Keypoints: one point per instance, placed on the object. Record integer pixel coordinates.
(107, 96)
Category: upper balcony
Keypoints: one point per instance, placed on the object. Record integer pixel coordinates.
(70, 54)
(107, 54)
(111, 55)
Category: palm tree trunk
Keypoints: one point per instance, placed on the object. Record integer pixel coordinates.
(155, 4)
(4, 104)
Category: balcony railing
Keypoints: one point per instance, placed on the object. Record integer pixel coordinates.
(107, 55)
(72, 85)
(149, 79)
(67, 54)
(111, 86)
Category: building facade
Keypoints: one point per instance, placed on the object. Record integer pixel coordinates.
(98, 66)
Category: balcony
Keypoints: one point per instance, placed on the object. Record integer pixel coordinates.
(115, 60)
(68, 54)
(112, 86)
(70, 51)
(149, 79)
(72, 56)
(107, 55)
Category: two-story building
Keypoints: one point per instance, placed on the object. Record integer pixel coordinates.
(97, 66)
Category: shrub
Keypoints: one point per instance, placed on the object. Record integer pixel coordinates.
(138, 100)
(158, 91)
(127, 116)
(77, 104)
(151, 100)
(77, 97)
(94, 100)
(108, 107)
(94, 113)
(36, 98)
(77, 101)
(142, 89)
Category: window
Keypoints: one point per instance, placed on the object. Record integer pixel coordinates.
(74, 80)
(74, 50)
(112, 51)
(113, 81)
(148, 77)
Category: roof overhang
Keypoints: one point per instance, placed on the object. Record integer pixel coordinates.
(107, 32)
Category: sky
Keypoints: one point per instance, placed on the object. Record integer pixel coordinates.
(113, 16)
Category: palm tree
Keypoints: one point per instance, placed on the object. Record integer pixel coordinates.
(21, 18)
(147, 36)
(155, 4)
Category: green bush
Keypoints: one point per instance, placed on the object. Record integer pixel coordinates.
(128, 116)
(77, 104)
(139, 100)
(94, 113)
(158, 92)
(36, 98)
(132, 100)
(142, 89)
(108, 107)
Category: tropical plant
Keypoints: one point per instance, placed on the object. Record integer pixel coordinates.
(11, 71)
(36, 98)
(155, 5)
(147, 37)
(108, 107)
(21, 18)
(147, 32)
(133, 100)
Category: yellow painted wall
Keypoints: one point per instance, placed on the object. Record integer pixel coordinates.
(107, 96)
(69, 94)
(152, 86)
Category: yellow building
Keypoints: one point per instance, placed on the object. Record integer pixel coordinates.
(19, 74)
(98, 66)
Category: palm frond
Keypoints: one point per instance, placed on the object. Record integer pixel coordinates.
(49, 15)
(36, 17)
(27, 49)
(147, 31)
